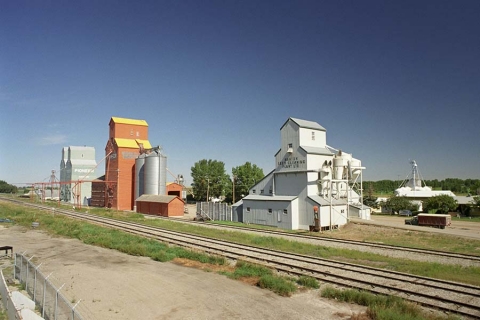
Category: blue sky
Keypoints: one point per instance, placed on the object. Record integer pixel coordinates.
(391, 81)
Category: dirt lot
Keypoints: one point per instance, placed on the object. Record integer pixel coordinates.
(112, 285)
(460, 228)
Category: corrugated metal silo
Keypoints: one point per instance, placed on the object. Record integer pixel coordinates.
(155, 169)
(163, 175)
(139, 176)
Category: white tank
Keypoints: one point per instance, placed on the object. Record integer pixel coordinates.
(355, 167)
(325, 178)
(339, 164)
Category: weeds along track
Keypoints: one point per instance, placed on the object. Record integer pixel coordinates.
(447, 296)
(390, 250)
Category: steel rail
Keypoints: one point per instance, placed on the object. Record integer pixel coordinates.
(439, 253)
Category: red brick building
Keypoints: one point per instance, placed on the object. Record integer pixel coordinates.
(127, 139)
(160, 205)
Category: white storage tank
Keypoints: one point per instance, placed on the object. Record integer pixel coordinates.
(339, 164)
(325, 178)
(155, 170)
(356, 169)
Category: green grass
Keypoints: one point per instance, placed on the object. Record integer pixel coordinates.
(245, 269)
(107, 238)
(381, 307)
(3, 313)
(265, 278)
(308, 282)
(279, 285)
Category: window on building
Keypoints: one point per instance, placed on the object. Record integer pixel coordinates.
(253, 191)
(261, 191)
(131, 132)
(270, 191)
(285, 211)
(342, 211)
(313, 135)
(270, 211)
(138, 134)
(248, 209)
(290, 145)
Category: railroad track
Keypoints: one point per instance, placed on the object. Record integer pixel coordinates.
(447, 296)
(390, 250)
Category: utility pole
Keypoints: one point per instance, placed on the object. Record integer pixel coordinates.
(208, 188)
(233, 192)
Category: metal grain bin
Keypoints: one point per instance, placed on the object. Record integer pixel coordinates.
(155, 169)
(139, 175)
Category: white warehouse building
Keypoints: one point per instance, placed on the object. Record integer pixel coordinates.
(309, 176)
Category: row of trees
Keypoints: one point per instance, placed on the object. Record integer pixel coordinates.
(7, 188)
(437, 204)
(210, 180)
(467, 186)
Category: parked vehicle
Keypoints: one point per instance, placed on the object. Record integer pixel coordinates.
(406, 213)
(431, 220)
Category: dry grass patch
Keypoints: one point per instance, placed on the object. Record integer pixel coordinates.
(203, 266)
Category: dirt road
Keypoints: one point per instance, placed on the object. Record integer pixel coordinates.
(112, 285)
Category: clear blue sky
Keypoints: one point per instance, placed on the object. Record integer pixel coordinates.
(389, 80)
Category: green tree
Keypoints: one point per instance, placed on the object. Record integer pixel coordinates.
(443, 203)
(476, 201)
(7, 188)
(209, 179)
(370, 200)
(400, 203)
(245, 177)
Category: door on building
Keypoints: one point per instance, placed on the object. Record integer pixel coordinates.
(279, 215)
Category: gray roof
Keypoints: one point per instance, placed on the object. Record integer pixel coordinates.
(464, 200)
(317, 150)
(269, 198)
(326, 202)
(305, 124)
(156, 198)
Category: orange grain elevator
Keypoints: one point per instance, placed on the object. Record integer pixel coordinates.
(127, 139)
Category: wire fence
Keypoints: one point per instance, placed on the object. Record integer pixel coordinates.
(50, 301)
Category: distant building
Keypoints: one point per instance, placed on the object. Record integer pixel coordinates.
(308, 175)
(415, 189)
(77, 170)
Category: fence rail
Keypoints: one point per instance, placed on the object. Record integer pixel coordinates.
(51, 302)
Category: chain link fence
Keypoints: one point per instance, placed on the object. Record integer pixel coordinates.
(51, 303)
